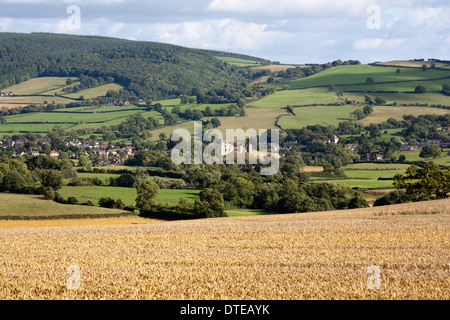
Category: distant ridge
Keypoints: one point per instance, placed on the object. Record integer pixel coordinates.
(149, 69)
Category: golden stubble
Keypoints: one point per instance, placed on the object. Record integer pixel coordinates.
(296, 256)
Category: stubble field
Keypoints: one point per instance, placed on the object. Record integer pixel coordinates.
(323, 255)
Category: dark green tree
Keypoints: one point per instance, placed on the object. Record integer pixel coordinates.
(430, 151)
(422, 184)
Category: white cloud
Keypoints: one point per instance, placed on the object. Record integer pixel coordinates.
(431, 17)
(6, 24)
(115, 28)
(69, 2)
(290, 7)
(60, 26)
(378, 44)
(216, 34)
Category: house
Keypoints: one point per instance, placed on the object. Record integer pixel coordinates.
(53, 153)
(19, 154)
(290, 144)
(365, 157)
(352, 146)
(378, 156)
(225, 147)
(374, 156)
(20, 142)
(33, 153)
(407, 147)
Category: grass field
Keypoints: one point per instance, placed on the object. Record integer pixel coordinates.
(38, 86)
(357, 74)
(128, 195)
(382, 113)
(95, 92)
(323, 115)
(30, 206)
(281, 99)
(413, 64)
(20, 100)
(402, 98)
(238, 62)
(324, 255)
(399, 87)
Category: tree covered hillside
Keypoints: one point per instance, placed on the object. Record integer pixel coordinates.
(151, 70)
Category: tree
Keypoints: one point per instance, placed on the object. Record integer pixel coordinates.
(397, 71)
(380, 100)
(370, 80)
(13, 182)
(422, 184)
(368, 100)
(430, 151)
(147, 194)
(85, 162)
(51, 179)
(368, 109)
(359, 114)
(210, 204)
(420, 89)
(424, 68)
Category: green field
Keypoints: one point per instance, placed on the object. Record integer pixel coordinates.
(408, 86)
(128, 195)
(323, 115)
(31, 206)
(238, 62)
(38, 86)
(280, 99)
(402, 98)
(357, 74)
(383, 113)
(95, 92)
(24, 100)
(365, 175)
(99, 109)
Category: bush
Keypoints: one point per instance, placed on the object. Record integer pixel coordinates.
(49, 193)
(393, 197)
(107, 202)
(72, 200)
(58, 198)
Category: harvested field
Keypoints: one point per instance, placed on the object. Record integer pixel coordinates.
(324, 255)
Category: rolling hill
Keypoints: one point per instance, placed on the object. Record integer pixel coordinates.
(150, 70)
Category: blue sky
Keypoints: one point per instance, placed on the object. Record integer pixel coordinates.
(289, 31)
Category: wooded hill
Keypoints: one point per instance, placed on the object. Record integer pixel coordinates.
(149, 69)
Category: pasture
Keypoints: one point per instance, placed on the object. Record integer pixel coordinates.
(323, 115)
(383, 113)
(280, 99)
(238, 62)
(21, 206)
(37, 86)
(95, 92)
(407, 86)
(357, 74)
(402, 98)
(127, 195)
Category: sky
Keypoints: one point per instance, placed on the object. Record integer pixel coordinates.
(288, 31)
